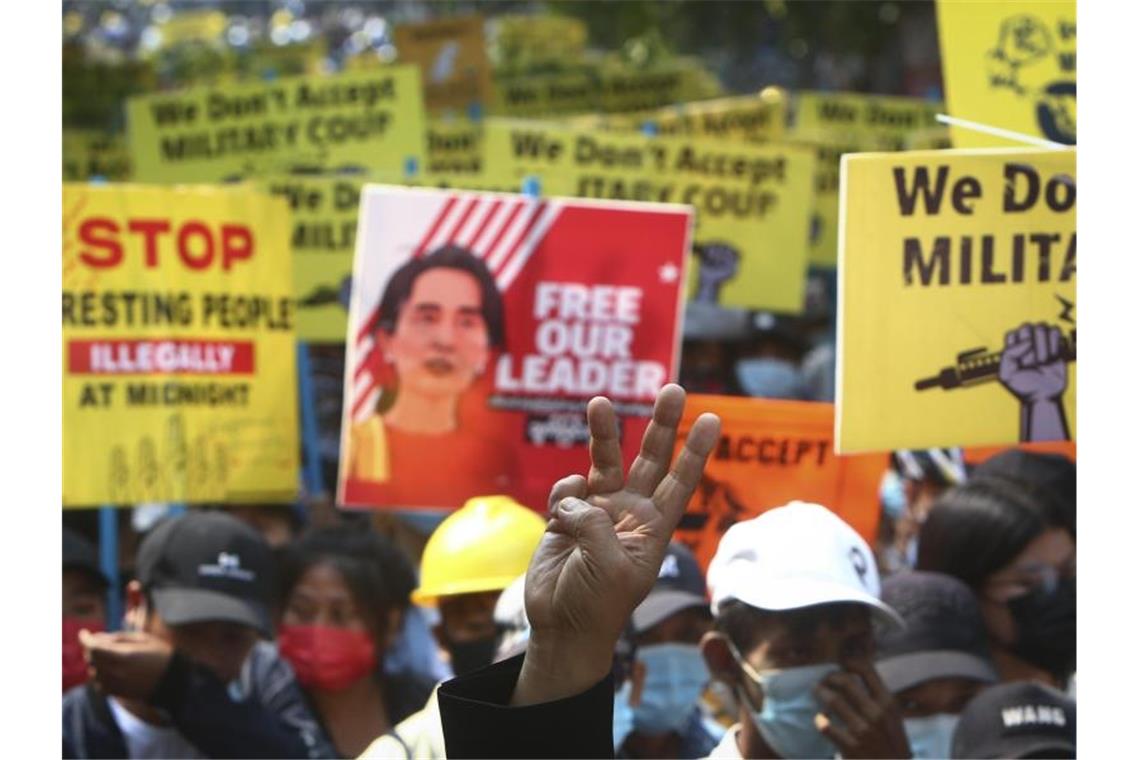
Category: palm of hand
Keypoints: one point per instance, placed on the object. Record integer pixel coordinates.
(569, 573)
(607, 537)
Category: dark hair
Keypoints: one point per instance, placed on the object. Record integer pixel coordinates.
(1051, 477)
(974, 530)
(377, 573)
(399, 288)
(741, 623)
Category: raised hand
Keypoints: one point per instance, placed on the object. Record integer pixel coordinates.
(1033, 369)
(604, 546)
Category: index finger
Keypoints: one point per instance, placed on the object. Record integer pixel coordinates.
(672, 494)
(657, 444)
(605, 449)
(871, 678)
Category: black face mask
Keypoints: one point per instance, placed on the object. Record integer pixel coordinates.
(1047, 628)
(471, 655)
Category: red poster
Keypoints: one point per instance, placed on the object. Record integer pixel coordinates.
(480, 326)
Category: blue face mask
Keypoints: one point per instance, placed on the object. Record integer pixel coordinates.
(786, 719)
(930, 737)
(892, 495)
(623, 715)
(675, 676)
(770, 378)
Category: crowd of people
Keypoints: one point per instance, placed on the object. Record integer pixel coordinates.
(953, 636)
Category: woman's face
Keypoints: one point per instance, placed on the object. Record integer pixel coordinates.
(1049, 556)
(322, 598)
(440, 344)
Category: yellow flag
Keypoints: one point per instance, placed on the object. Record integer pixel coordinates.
(180, 382)
(1011, 65)
(957, 306)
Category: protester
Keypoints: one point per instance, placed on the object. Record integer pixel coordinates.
(1017, 720)
(916, 478)
(84, 603)
(474, 554)
(1050, 476)
(583, 583)
(671, 674)
(938, 662)
(189, 677)
(1016, 550)
(768, 365)
(346, 589)
(793, 594)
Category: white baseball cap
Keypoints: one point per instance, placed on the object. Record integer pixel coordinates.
(794, 556)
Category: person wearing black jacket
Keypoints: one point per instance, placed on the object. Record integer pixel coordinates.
(190, 678)
(598, 559)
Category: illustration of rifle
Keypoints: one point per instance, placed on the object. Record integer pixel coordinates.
(979, 366)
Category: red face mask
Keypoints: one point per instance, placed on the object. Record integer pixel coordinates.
(74, 666)
(326, 658)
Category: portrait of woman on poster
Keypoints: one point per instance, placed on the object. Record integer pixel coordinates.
(440, 318)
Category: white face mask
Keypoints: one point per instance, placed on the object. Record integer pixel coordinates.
(931, 736)
(786, 718)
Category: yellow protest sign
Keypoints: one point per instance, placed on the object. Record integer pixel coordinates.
(608, 88)
(90, 153)
(178, 346)
(754, 118)
(1011, 65)
(324, 212)
(348, 121)
(753, 202)
(452, 57)
(874, 122)
(454, 147)
(957, 320)
(838, 123)
(517, 41)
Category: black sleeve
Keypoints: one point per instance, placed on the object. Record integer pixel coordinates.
(219, 725)
(478, 721)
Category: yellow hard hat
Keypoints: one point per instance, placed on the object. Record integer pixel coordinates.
(481, 547)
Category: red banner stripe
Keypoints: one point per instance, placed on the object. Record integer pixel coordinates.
(463, 217)
(530, 223)
(160, 356)
(503, 231)
(487, 218)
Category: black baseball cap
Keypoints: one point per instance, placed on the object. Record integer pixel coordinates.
(680, 585)
(208, 566)
(80, 554)
(944, 637)
(1016, 720)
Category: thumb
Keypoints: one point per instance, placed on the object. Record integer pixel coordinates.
(588, 525)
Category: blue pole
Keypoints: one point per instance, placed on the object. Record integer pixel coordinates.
(109, 562)
(310, 435)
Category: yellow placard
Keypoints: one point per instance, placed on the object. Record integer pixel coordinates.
(1010, 64)
(179, 366)
(609, 89)
(874, 122)
(957, 313)
(454, 147)
(88, 154)
(838, 123)
(323, 236)
(452, 57)
(517, 41)
(753, 202)
(344, 122)
(754, 118)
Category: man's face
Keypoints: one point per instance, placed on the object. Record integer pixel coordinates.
(938, 695)
(220, 647)
(440, 344)
(468, 617)
(684, 627)
(83, 597)
(813, 636)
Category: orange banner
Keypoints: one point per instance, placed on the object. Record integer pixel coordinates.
(770, 453)
(975, 455)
